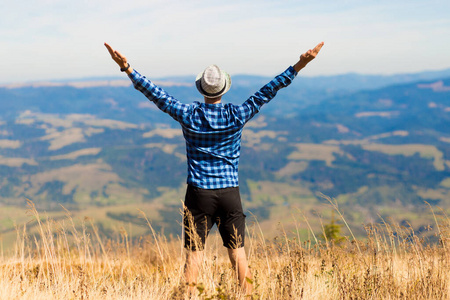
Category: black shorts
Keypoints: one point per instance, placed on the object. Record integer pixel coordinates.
(204, 208)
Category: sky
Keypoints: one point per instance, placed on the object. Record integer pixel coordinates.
(43, 40)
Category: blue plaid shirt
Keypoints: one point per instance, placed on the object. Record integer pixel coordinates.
(212, 131)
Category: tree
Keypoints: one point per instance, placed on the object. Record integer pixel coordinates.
(332, 232)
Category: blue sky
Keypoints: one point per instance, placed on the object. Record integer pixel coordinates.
(59, 39)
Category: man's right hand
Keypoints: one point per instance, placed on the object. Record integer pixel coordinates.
(118, 58)
(308, 56)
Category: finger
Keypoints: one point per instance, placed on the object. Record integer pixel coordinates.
(318, 47)
(119, 54)
(110, 49)
(307, 54)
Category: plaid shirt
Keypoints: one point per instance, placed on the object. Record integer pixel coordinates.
(212, 131)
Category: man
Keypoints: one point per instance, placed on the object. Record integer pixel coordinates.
(212, 132)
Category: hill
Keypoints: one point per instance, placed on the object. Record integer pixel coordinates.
(379, 152)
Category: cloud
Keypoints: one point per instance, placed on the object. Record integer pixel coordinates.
(53, 39)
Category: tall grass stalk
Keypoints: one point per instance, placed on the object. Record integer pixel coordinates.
(59, 259)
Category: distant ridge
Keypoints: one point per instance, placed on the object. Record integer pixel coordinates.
(341, 82)
(379, 152)
(354, 81)
(88, 83)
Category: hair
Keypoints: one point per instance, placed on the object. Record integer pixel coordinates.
(213, 99)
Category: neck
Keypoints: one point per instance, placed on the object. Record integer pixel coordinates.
(216, 100)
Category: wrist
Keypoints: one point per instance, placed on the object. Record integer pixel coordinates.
(299, 65)
(125, 68)
(129, 71)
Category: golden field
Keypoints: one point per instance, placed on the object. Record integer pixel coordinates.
(65, 259)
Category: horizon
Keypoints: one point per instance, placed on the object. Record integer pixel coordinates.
(60, 39)
(121, 79)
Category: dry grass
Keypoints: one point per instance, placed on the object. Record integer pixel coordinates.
(11, 144)
(83, 180)
(307, 151)
(78, 153)
(16, 161)
(425, 151)
(72, 261)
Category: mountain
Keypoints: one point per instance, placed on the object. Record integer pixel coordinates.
(378, 152)
(342, 82)
(113, 97)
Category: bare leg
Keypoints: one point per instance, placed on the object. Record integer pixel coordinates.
(239, 261)
(191, 268)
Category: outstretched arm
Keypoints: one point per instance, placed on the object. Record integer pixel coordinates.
(306, 57)
(157, 95)
(119, 59)
(253, 104)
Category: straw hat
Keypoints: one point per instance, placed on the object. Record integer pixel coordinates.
(213, 82)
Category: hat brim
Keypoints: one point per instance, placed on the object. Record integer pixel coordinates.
(201, 91)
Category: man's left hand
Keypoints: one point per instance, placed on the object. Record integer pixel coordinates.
(307, 57)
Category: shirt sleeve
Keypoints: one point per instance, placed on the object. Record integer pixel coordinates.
(253, 104)
(157, 95)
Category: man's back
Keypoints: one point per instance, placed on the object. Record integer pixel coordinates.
(213, 140)
(212, 131)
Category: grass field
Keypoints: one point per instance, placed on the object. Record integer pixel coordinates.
(425, 151)
(62, 259)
